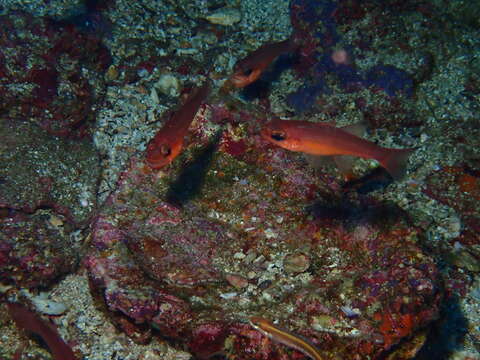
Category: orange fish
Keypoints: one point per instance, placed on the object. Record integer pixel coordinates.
(326, 139)
(168, 141)
(249, 69)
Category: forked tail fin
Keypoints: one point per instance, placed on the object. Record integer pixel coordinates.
(395, 162)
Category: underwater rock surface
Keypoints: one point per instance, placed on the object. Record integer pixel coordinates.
(34, 252)
(47, 190)
(43, 171)
(352, 282)
(50, 73)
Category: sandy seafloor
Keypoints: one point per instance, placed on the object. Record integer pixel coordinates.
(134, 106)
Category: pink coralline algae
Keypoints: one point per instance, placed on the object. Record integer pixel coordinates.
(33, 253)
(247, 245)
(32, 73)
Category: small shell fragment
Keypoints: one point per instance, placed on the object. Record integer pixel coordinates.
(224, 16)
(296, 263)
(169, 85)
(236, 281)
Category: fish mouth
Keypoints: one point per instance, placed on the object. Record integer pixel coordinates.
(156, 163)
(239, 80)
(156, 160)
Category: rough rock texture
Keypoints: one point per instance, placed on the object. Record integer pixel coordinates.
(346, 273)
(459, 188)
(34, 249)
(47, 191)
(38, 170)
(51, 73)
(236, 228)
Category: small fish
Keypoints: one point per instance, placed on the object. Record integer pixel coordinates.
(326, 139)
(28, 320)
(168, 141)
(284, 337)
(249, 69)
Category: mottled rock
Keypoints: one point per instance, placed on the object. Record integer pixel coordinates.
(158, 265)
(459, 188)
(33, 253)
(38, 170)
(237, 281)
(296, 263)
(168, 84)
(50, 76)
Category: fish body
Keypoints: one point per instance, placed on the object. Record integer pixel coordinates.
(327, 140)
(168, 141)
(28, 320)
(285, 337)
(249, 69)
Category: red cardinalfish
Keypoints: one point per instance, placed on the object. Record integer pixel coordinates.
(168, 141)
(28, 320)
(249, 69)
(326, 139)
(284, 337)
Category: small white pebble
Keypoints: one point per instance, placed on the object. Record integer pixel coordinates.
(229, 295)
(239, 256)
(224, 16)
(270, 234)
(267, 296)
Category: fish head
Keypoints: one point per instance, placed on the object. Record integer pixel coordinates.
(278, 132)
(160, 153)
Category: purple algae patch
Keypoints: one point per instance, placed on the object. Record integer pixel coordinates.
(390, 79)
(304, 98)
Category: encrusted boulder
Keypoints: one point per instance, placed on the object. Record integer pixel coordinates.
(244, 243)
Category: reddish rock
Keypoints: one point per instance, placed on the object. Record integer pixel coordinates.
(355, 283)
(44, 56)
(34, 252)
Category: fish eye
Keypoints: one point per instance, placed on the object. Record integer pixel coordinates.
(278, 135)
(165, 150)
(247, 72)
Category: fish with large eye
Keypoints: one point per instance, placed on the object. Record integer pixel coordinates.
(278, 135)
(165, 150)
(324, 139)
(249, 69)
(168, 141)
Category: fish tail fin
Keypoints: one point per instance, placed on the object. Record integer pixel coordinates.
(395, 161)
